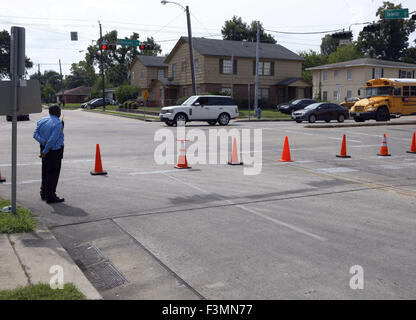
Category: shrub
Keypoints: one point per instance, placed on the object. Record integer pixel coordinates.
(126, 92)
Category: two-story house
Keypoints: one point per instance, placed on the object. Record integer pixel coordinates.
(337, 81)
(215, 61)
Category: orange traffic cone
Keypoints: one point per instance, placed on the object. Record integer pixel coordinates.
(343, 153)
(384, 151)
(286, 152)
(182, 162)
(234, 157)
(2, 179)
(98, 170)
(413, 145)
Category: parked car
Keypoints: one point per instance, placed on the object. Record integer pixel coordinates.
(211, 109)
(321, 111)
(20, 117)
(294, 105)
(349, 102)
(99, 103)
(84, 105)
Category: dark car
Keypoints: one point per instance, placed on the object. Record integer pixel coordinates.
(294, 105)
(321, 111)
(20, 117)
(99, 103)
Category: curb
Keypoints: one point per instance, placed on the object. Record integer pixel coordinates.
(264, 120)
(371, 124)
(122, 116)
(39, 250)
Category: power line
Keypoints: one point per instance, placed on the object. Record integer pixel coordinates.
(314, 32)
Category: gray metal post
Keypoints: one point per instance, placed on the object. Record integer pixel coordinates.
(191, 50)
(102, 64)
(249, 109)
(256, 92)
(62, 84)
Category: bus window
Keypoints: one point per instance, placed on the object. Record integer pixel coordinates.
(406, 91)
(413, 91)
(397, 92)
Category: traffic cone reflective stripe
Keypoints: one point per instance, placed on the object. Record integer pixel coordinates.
(98, 170)
(384, 151)
(2, 179)
(234, 156)
(286, 152)
(182, 161)
(343, 153)
(413, 145)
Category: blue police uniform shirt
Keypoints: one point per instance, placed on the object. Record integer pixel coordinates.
(49, 133)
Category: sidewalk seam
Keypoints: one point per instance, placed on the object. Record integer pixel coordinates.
(29, 280)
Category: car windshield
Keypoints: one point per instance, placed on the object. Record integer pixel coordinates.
(295, 102)
(190, 101)
(379, 91)
(313, 106)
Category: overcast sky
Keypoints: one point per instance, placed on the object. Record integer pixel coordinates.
(49, 23)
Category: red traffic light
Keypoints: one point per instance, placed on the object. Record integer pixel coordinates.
(104, 47)
(146, 47)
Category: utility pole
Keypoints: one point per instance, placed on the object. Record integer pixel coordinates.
(232, 77)
(191, 50)
(39, 70)
(256, 86)
(62, 84)
(102, 64)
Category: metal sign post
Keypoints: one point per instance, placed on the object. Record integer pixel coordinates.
(17, 69)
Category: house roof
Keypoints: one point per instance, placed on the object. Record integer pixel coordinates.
(242, 49)
(366, 62)
(152, 61)
(78, 91)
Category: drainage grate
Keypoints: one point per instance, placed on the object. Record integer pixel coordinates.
(96, 267)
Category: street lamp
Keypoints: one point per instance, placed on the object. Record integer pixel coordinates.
(191, 48)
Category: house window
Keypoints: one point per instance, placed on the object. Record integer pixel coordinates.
(174, 70)
(196, 65)
(185, 92)
(325, 75)
(227, 66)
(336, 73)
(335, 95)
(265, 68)
(349, 74)
(226, 90)
(132, 76)
(349, 94)
(405, 74)
(160, 74)
(183, 69)
(378, 73)
(142, 73)
(325, 95)
(264, 94)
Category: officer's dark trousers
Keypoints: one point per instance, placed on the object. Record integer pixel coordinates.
(51, 168)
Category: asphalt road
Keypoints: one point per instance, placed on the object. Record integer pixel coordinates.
(147, 231)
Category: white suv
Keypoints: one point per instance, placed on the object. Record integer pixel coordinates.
(212, 109)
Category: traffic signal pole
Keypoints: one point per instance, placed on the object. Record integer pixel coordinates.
(102, 64)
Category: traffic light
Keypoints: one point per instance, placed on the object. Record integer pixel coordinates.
(107, 46)
(414, 17)
(145, 46)
(342, 35)
(372, 27)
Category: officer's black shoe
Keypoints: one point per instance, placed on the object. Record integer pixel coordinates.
(55, 199)
(43, 197)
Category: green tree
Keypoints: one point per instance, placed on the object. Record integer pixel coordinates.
(237, 29)
(329, 45)
(48, 94)
(5, 55)
(50, 77)
(312, 59)
(391, 42)
(345, 53)
(82, 74)
(409, 55)
(126, 92)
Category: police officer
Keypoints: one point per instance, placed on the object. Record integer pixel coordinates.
(49, 133)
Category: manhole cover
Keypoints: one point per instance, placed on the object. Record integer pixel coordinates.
(105, 276)
(86, 255)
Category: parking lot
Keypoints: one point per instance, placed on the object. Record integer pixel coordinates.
(292, 232)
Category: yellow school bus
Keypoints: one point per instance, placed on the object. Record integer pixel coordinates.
(385, 98)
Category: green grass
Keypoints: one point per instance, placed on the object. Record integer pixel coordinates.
(43, 291)
(23, 221)
(269, 114)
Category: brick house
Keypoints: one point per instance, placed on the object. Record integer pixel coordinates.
(337, 81)
(75, 95)
(280, 72)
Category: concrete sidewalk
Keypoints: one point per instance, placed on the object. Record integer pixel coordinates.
(26, 258)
